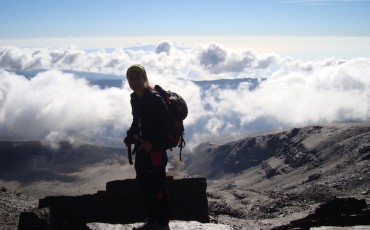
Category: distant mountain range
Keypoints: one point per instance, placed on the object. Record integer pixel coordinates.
(111, 80)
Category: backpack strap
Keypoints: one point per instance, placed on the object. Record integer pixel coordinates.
(181, 144)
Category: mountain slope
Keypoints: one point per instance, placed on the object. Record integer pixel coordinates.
(39, 170)
(264, 181)
(287, 159)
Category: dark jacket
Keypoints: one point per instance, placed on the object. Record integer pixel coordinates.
(151, 113)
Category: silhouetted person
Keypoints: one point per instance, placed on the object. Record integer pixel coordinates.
(150, 127)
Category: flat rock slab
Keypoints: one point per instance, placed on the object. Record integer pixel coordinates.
(363, 227)
(174, 225)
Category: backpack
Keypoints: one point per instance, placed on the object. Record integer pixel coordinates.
(178, 110)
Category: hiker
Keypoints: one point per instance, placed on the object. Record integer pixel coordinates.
(150, 127)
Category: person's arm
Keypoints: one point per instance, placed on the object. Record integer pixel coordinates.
(134, 128)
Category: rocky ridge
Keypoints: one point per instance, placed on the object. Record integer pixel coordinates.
(11, 205)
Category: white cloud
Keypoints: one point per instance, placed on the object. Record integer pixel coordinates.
(54, 105)
(164, 46)
(57, 105)
(213, 55)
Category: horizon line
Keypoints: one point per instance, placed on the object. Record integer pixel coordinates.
(285, 45)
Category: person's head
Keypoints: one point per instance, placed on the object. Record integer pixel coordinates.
(137, 78)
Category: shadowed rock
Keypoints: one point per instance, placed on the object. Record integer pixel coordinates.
(336, 212)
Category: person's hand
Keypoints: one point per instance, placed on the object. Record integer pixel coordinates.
(127, 141)
(146, 146)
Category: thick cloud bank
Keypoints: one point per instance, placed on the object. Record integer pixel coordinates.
(55, 105)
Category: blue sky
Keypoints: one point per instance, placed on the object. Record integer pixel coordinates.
(298, 28)
(98, 18)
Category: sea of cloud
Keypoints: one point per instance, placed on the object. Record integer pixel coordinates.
(55, 105)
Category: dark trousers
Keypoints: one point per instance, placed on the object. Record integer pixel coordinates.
(151, 176)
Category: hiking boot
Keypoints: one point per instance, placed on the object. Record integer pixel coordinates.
(149, 224)
(163, 227)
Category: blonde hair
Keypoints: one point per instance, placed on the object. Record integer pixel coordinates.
(141, 69)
